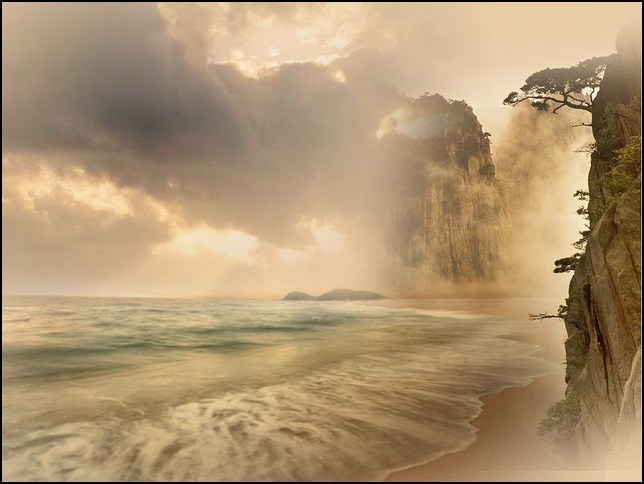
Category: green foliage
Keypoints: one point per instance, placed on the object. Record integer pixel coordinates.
(587, 148)
(627, 166)
(574, 87)
(617, 182)
(562, 310)
(558, 427)
(581, 195)
(573, 297)
(606, 143)
(630, 156)
(567, 264)
(581, 243)
(582, 210)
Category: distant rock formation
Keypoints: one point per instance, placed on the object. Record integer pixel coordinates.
(446, 221)
(334, 295)
(298, 296)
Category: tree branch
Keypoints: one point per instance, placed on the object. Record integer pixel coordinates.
(554, 111)
(580, 101)
(584, 107)
(564, 86)
(542, 316)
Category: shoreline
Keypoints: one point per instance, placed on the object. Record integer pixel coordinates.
(507, 447)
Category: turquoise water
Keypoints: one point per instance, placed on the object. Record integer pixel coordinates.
(215, 390)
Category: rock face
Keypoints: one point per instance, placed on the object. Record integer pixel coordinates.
(446, 219)
(604, 318)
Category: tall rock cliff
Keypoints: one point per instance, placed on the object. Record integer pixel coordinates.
(604, 317)
(446, 219)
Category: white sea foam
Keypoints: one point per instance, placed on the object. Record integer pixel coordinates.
(245, 390)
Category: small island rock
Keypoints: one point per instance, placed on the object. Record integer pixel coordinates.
(298, 296)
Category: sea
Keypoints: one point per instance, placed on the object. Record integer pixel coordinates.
(127, 389)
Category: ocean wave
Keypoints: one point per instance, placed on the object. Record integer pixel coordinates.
(247, 392)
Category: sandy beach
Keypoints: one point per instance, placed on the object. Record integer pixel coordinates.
(507, 446)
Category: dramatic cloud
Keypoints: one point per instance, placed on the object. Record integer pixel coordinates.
(62, 229)
(202, 121)
(117, 95)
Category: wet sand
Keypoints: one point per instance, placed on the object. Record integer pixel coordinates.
(507, 446)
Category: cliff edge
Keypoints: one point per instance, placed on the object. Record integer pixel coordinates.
(604, 316)
(446, 220)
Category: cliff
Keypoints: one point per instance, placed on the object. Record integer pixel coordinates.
(604, 316)
(446, 221)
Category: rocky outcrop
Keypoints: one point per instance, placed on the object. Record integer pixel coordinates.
(298, 296)
(334, 295)
(604, 317)
(446, 219)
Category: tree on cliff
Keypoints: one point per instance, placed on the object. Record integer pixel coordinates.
(574, 87)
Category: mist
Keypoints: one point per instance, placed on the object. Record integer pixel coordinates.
(540, 165)
(234, 150)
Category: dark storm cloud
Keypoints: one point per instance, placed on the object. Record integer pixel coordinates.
(108, 76)
(311, 153)
(109, 86)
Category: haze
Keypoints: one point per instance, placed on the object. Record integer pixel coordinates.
(224, 149)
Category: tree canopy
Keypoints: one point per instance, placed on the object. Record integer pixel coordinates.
(574, 87)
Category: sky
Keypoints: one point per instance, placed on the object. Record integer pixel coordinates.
(224, 149)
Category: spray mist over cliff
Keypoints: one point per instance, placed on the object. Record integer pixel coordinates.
(541, 161)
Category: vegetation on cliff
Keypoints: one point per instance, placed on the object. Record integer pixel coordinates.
(573, 87)
(601, 413)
